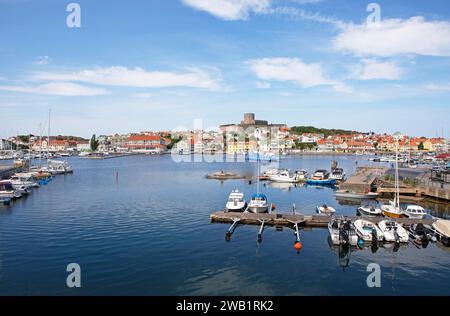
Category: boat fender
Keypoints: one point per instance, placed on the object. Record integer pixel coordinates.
(361, 243)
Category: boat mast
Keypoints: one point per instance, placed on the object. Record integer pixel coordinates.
(40, 147)
(48, 144)
(257, 166)
(397, 186)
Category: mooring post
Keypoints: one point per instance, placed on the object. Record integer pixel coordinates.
(230, 230)
(261, 230)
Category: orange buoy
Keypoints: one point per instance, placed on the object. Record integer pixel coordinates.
(274, 207)
(298, 246)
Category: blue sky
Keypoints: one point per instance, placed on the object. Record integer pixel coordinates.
(153, 65)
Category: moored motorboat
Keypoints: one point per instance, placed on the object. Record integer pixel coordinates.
(321, 177)
(286, 176)
(325, 209)
(368, 231)
(442, 229)
(419, 233)
(414, 211)
(59, 167)
(258, 204)
(236, 202)
(347, 194)
(393, 231)
(337, 174)
(342, 232)
(370, 211)
(267, 173)
(7, 190)
(25, 179)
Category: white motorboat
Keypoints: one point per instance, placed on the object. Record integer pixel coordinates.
(347, 194)
(342, 232)
(59, 167)
(258, 204)
(370, 211)
(414, 211)
(286, 176)
(7, 190)
(337, 174)
(24, 179)
(368, 231)
(236, 202)
(393, 231)
(442, 229)
(269, 172)
(324, 209)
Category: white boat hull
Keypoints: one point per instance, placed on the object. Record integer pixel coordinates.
(367, 211)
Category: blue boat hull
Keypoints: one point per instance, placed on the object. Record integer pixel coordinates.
(321, 182)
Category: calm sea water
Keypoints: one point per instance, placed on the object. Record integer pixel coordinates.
(148, 233)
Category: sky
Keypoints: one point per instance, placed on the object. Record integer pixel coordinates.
(158, 65)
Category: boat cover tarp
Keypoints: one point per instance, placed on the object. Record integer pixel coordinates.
(259, 196)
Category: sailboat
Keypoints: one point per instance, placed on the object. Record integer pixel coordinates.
(56, 167)
(258, 202)
(393, 209)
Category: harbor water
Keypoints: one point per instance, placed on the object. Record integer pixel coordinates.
(140, 226)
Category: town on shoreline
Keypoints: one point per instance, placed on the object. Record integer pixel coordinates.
(231, 139)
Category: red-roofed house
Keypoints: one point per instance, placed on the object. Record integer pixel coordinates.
(145, 143)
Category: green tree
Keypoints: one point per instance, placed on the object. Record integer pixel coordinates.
(421, 146)
(94, 143)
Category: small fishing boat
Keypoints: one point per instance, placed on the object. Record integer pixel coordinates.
(414, 211)
(347, 194)
(236, 202)
(370, 211)
(321, 177)
(258, 204)
(368, 231)
(286, 176)
(393, 231)
(442, 229)
(324, 209)
(342, 232)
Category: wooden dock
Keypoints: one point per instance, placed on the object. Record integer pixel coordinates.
(284, 219)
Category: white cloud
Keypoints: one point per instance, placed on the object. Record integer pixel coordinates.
(263, 85)
(289, 70)
(392, 37)
(41, 60)
(138, 77)
(56, 89)
(370, 69)
(229, 9)
(438, 86)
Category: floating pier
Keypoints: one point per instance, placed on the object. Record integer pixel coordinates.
(289, 220)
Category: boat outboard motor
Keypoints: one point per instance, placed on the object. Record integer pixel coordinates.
(374, 236)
